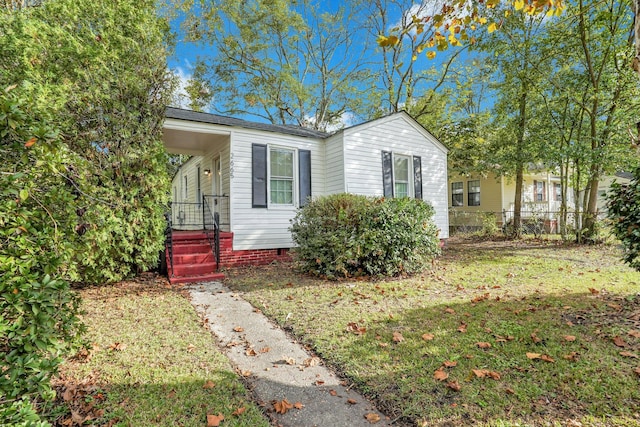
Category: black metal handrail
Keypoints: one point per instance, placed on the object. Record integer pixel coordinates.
(168, 239)
(211, 227)
(190, 215)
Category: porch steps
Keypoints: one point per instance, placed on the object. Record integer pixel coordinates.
(193, 260)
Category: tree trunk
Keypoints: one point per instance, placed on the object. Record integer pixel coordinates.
(517, 204)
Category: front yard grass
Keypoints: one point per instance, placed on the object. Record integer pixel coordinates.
(497, 333)
(150, 363)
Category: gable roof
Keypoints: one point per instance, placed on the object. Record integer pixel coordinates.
(194, 116)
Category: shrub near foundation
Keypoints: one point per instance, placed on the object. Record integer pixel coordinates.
(346, 235)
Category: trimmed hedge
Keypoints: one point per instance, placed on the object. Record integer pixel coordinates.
(346, 235)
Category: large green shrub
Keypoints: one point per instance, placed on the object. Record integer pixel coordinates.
(346, 235)
(624, 212)
(38, 313)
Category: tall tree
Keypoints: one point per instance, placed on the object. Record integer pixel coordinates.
(283, 61)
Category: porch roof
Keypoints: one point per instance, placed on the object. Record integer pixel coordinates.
(194, 116)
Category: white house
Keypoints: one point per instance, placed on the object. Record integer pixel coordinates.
(256, 175)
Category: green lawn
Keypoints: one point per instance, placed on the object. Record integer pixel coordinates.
(526, 333)
(152, 363)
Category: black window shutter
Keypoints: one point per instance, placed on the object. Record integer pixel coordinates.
(304, 172)
(417, 177)
(259, 175)
(387, 173)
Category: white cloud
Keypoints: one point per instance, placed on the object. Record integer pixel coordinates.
(180, 99)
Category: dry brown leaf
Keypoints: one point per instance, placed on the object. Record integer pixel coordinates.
(298, 405)
(245, 373)
(637, 370)
(573, 356)
(372, 417)
(319, 382)
(250, 352)
(454, 385)
(533, 355)
(569, 338)
(494, 375)
(547, 358)
(282, 406)
(68, 393)
(634, 333)
(618, 341)
(239, 411)
(333, 392)
(535, 338)
(427, 337)
(208, 385)
(594, 291)
(238, 329)
(117, 346)
(353, 327)
(440, 375)
(450, 363)
(311, 361)
(462, 328)
(509, 390)
(265, 350)
(480, 373)
(483, 345)
(450, 310)
(289, 360)
(397, 337)
(214, 420)
(30, 142)
(352, 401)
(628, 354)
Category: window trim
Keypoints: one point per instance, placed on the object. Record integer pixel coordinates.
(414, 174)
(408, 182)
(542, 194)
(294, 183)
(469, 192)
(557, 195)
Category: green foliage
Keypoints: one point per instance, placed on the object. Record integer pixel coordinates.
(38, 314)
(623, 203)
(348, 235)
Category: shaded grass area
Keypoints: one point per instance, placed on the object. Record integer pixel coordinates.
(150, 363)
(480, 310)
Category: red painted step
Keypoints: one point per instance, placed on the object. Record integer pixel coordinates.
(193, 259)
(213, 277)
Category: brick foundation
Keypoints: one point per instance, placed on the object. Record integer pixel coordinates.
(231, 258)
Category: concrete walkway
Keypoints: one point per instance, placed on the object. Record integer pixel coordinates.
(277, 367)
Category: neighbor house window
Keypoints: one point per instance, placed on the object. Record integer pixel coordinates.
(474, 192)
(281, 172)
(457, 194)
(557, 191)
(538, 191)
(401, 176)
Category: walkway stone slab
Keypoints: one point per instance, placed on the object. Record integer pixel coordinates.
(277, 367)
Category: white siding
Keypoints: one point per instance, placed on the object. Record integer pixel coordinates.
(400, 135)
(266, 228)
(335, 179)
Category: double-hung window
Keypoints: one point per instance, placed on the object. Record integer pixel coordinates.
(473, 195)
(557, 191)
(401, 175)
(457, 194)
(539, 193)
(281, 176)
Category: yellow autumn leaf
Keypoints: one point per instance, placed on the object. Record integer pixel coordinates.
(492, 27)
(518, 4)
(431, 54)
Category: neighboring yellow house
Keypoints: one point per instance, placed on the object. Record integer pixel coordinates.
(476, 199)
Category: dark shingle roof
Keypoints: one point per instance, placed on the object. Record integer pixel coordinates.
(194, 116)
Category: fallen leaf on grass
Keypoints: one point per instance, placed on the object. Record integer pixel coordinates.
(239, 411)
(397, 337)
(440, 374)
(535, 338)
(573, 356)
(450, 311)
(214, 420)
(618, 341)
(427, 337)
(569, 338)
(454, 385)
(372, 418)
(462, 328)
(628, 354)
(483, 373)
(30, 142)
(353, 327)
(117, 346)
(533, 355)
(483, 345)
(594, 291)
(637, 371)
(509, 390)
(352, 401)
(209, 385)
(282, 406)
(634, 333)
(450, 364)
(480, 298)
(547, 358)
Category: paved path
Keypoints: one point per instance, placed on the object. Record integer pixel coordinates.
(277, 367)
